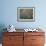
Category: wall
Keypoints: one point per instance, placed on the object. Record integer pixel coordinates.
(9, 13)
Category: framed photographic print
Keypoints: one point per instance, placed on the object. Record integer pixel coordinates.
(26, 14)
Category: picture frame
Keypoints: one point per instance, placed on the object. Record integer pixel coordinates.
(26, 14)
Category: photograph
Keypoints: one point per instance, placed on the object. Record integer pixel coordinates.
(25, 14)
